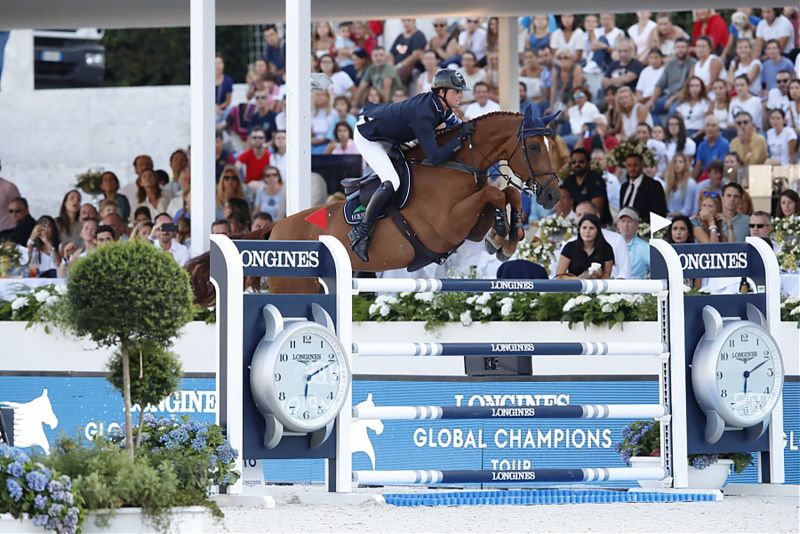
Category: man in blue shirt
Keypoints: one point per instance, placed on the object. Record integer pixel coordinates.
(638, 248)
(773, 64)
(714, 146)
(275, 49)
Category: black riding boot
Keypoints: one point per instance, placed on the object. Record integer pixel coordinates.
(360, 235)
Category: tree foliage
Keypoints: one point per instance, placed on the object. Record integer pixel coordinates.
(155, 374)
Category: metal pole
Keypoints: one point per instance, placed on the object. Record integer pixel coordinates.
(298, 105)
(508, 72)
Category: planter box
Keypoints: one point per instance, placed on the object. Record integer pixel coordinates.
(712, 477)
(129, 520)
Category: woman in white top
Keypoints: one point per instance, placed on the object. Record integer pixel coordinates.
(721, 100)
(744, 101)
(629, 113)
(781, 141)
(43, 245)
(745, 63)
(640, 34)
(568, 35)
(708, 66)
(320, 117)
(676, 140)
(341, 83)
(580, 113)
(693, 105)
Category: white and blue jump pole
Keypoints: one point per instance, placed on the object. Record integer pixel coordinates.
(525, 348)
(575, 411)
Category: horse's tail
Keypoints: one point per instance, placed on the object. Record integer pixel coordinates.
(199, 269)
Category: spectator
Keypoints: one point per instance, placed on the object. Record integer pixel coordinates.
(68, 220)
(712, 147)
(720, 108)
(743, 26)
(431, 65)
(750, 145)
(747, 65)
(381, 76)
(734, 224)
(638, 248)
(109, 184)
(580, 115)
(546, 60)
(681, 188)
(320, 117)
(472, 74)
(590, 24)
(221, 227)
(7, 191)
(341, 83)
(734, 168)
(272, 198)
(278, 157)
(21, 220)
(707, 224)
(640, 33)
(473, 39)
(774, 64)
(344, 46)
(482, 104)
(263, 117)
(493, 74)
(87, 211)
(115, 221)
(606, 39)
(323, 40)
(613, 185)
(261, 221)
(708, 66)
(399, 95)
(105, 235)
(586, 185)
(710, 24)
(141, 231)
(644, 134)
(537, 80)
(567, 77)
(222, 155)
(223, 87)
(578, 256)
(524, 101)
(746, 102)
(359, 67)
(255, 76)
(73, 252)
(341, 113)
(343, 142)
(140, 163)
(649, 76)
(564, 207)
(407, 50)
(677, 141)
(255, 158)
(569, 35)
(374, 96)
(629, 113)
(781, 141)
(774, 26)
(444, 43)
(681, 232)
(625, 70)
(794, 107)
(492, 35)
(230, 186)
(539, 33)
(237, 212)
(778, 96)
(275, 50)
(181, 203)
(668, 87)
(666, 35)
(714, 182)
(622, 260)
(43, 249)
(692, 105)
(761, 226)
(150, 195)
(362, 37)
(641, 192)
(178, 161)
(107, 206)
(164, 233)
(788, 204)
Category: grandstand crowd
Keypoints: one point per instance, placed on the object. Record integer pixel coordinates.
(702, 102)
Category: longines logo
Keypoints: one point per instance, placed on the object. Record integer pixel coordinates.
(307, 358)
(718, 260)
(280, 258)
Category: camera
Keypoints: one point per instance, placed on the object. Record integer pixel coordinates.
(169, 227)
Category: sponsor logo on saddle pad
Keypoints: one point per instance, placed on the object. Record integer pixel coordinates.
(280, 258)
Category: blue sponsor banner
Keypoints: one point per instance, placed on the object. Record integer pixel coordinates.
(46, 407)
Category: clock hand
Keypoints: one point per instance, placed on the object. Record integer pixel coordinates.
(308, 378)
(757, 366)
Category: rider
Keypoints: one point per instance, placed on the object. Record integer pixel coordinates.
(391, 124)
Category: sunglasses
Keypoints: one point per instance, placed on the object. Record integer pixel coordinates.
(759, 226)
(439, 25)
(782, 80)
(230, 177)
(711, 194)
(14, 211)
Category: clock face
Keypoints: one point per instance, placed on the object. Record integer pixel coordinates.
(749, 374)
(310, 377)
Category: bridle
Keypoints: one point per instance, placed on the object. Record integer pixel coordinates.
(522, 136)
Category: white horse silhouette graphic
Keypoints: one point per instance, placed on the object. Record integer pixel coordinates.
(359, 437)
(28, 420)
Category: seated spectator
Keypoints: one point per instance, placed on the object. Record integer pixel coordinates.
(567, 77)
(668, 88)
(229, 187)
(444, 42)
(399, 95)
(43, 249)
(788, 204)
(407, 50)
(221, 227)
(681, 188)
(536, 79)
(184, 236)
(482, 104)
(638, 248)
(750, 145)
(374, 96)
(778, 97)
(794, 106)
(181, 203)
(666, 35)
(320, 117)
(524, 101)
(708, 67)
(649, 76)
(707, 222)
(681, 232)
(563, 208)
(644, 134)
(747, 65)
(761, 226)
(712, 147)
(431, 65)
(734, 168)
(582, 113)
(472, 74)
(363, 37)
(22, 221)
(473, 39)
(744, 101)
(357, 70)
(7, 191)
(720, 108)
(272, 198)
(105, 235)
(743, 26)
(641, 192)
(545, 57)
(569, 35)
(150, 195)
(622, 260)
(781, 141)
(341, 83)
(710, 24)
(625, 70)
(237, 124)
(381, 76)
(223, 85)
(613, 185)
(274, 50)
(262, 220)
(590, 247)
(640, 34)
(222, 156)
(539, 33)
(629, 113)
(115, 221)
(734, 227)
(72, 252)
(341, 113)
(772, 65)
(141, 231)
(255, 76)
(263, 117)
(252, 161)
(323, 40)
(713, 184)
(164, 233)
(343, 144)
(692, 105)
(677, 140)
(774, 26)
(585, 185)
(109, 184)
(278, 150)
(606, 35)
(344, 46)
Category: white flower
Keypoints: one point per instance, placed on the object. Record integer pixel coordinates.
(373, 308)
(486, 311)
(505, 308)
(426, 296)
(466, 318)
(484, 298)
(41, 295)
(607, 308)
(52, 299)
(471, 300)
(385, 299)
(19, 303)
(61, 289)
(506, 301)
(384, 311)
(795, 311)
(576, 301)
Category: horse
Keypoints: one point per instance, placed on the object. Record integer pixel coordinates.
(28, 420)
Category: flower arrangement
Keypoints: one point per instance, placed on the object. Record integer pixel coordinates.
(89, 182)
(35, 305)
(556, 228)
(628, 147)
(787, 234)
(29, 489)
(643, 438)
(539, 251)
(10, 257)
(790, 310)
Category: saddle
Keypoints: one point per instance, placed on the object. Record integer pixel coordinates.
(360, 190)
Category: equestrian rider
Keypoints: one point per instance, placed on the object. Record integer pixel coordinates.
(385, 125)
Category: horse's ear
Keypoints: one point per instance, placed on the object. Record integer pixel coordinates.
(547, 119)
(528, 118)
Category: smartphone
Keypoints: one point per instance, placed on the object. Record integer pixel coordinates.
(169, 227)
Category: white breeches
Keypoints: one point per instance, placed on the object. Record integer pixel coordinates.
(374, 153)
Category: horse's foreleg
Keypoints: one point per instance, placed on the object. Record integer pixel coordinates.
(463, 215)
(514, 199)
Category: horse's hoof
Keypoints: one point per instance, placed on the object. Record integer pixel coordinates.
(519, 232)
(500, 226)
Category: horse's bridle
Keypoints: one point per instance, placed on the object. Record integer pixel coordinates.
(523, 134)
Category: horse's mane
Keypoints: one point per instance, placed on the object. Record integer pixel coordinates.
(449, 132)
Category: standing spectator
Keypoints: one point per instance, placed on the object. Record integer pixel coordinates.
(629, 113)
(425, 79)
(668, 87)
(712, 147)
(472, 74)
(362, 37)
(666, 35)
(482, 104)
(745, 64)
(641, 192)
(744, 101)
(7, 191)
(649, 76)
(720, 107)
(540, 33)
(149, 195)
(263, 117)
(381, 75)
(229, 187)
(735, 225)
(323, 42)
(320, 117)
(775, 26)
(773, 64)
(638, 248)
(164, 233)
(677, 141)
(22, 222)
(708, 66)
(255, 158)
(407, 50)
(778, 97)
(750, 145)
(640, 34)
(681, 188)
(782, 141)
(473, 39)
(223, 87)
(343, 142)
(626, 69)
(693, 105)
(788, 204)
(585, 185)
(275, 50)
(710, 24)
(68, 220)
(569, 35)
(444, 43)
(221, 155)
(567, 77)
(278, 157)
(109, 184)
(272, 197)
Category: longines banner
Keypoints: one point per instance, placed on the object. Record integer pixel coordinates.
(46, 407)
